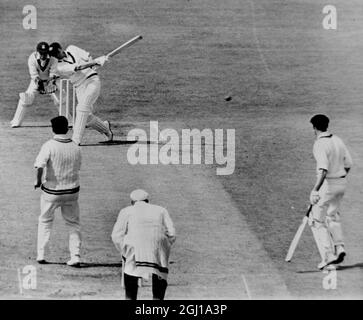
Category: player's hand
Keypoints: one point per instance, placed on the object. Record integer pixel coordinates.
(314, 197)
(101, 60)
(37, 184)
(172, 240)
(50, 87)
(41, 86)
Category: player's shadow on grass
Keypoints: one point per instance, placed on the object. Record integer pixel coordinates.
(101, 265)
(338, 268)
(35, 126)
(90, 264)
(113, 143)
(352, 266)
(107, 143)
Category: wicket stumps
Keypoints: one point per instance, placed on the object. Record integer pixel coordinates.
(64, 102)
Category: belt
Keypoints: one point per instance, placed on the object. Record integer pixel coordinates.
(59, 192)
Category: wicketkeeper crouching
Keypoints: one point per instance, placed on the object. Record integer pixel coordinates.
(42, 70)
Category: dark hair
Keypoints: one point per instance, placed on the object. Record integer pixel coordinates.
(320, 122)
(59, 125)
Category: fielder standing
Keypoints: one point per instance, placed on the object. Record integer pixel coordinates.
(333, 162)
(144, 234)
(42, 70)
(58, 164)
(87, 84)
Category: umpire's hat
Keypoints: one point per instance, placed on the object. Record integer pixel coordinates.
(139, 195)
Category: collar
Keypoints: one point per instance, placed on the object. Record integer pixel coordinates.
(140, 203)
(62, 138)
(69, 58)
(325, 134)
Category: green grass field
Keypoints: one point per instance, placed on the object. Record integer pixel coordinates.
(280, 67)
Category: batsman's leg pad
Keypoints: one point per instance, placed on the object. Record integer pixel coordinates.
(25, 101)
(80, 126)
(323, 239)
(97, 124)
(335, 229)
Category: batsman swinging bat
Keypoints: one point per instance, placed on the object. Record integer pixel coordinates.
(124, 46)
(110, 54)
(297, 236)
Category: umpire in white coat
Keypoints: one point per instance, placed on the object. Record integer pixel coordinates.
(144, 234)
(57, 174)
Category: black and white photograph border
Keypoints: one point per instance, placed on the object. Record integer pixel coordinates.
(192, 117)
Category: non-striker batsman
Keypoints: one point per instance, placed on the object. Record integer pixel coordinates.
(333, 162)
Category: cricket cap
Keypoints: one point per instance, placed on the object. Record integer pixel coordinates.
(53, 49)
(43, 47)
(139, 195)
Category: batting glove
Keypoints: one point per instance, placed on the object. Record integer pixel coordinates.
(101, 60)
(314, 197)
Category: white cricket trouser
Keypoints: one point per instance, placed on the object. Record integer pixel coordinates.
(21, 109)
(326, 214)
(70, 212)
(87, 94)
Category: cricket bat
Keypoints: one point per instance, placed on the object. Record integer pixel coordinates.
(124, 46)
(110, 54)
(297, 236)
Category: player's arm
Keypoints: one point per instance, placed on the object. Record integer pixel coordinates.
(320, 179)
(84, 59)
(32, 66)
(66, 69)
(87, 59)
(348, 161)
(322, 165)
(119, 230)
(39, 176)
(168, 223)
(40, 163)
(53, 69)
(314, 195)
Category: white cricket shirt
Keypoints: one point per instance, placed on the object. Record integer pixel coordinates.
(61, 158)
(332, 155)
